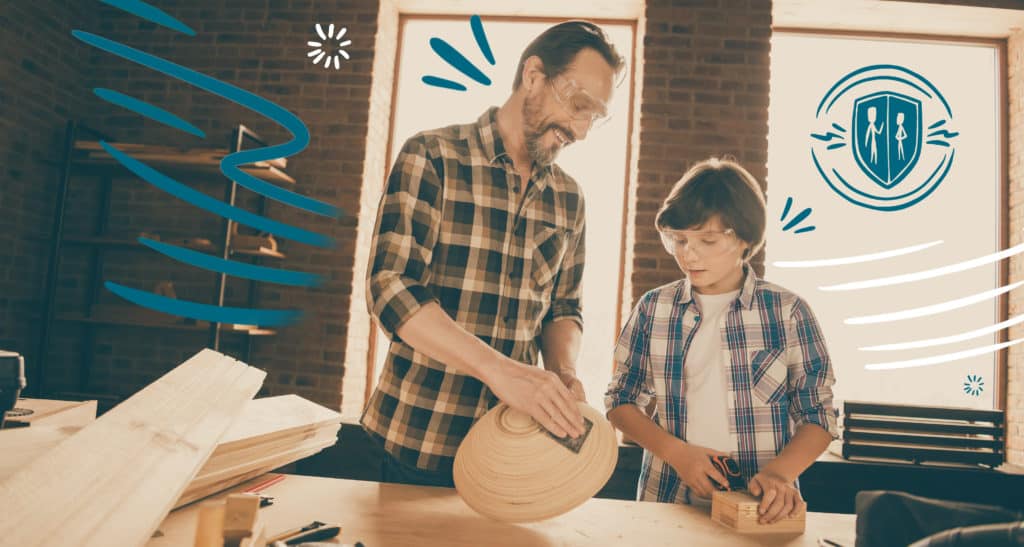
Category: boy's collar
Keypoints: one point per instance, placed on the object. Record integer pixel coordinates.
(746, 296)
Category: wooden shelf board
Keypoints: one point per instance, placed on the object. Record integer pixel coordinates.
(115, 241)
(206, 160)
(261, 252)
(152, 322)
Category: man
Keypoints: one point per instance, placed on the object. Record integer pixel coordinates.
(478, 256)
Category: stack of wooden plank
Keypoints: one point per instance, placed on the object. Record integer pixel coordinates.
(269, 433)
(113, 481)
(192, 433)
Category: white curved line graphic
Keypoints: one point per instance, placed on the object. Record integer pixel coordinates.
(927, 274)
(933, 309)
(944, 358)
(841, 261)
(930, 342)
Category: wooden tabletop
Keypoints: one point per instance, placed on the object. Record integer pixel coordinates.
(396, 515)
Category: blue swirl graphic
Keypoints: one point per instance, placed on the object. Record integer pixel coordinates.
(152, 112)
(230, 166)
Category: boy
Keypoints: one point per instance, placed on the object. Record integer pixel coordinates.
(730, 358)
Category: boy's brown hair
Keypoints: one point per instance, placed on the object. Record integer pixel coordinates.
(717, 187)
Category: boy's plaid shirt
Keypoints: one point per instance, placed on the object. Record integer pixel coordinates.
(779, 375)
(449, 231)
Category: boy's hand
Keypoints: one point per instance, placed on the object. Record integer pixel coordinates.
(693, 464)
(778, 497)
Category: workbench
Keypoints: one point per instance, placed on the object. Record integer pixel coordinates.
(398, 515)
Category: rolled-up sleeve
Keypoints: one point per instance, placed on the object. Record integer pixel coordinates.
(567, 294)
(632, 379)
(408, 222)
(810, 372)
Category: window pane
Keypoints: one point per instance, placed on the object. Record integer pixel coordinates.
(907, 153)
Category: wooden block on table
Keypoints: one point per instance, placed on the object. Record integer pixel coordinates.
(210, 525)
(738, 511)
(52, 413)
(242, 525)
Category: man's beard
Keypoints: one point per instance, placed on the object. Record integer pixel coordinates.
(533, 133)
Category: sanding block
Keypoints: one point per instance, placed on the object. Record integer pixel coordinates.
(571, 443)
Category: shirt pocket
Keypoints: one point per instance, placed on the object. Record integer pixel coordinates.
(548, 250)
(769, 375)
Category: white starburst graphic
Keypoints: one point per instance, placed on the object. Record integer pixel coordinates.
(325, 48)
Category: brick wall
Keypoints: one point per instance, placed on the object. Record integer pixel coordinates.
(261, 49)
(705, 93)
(41, 71)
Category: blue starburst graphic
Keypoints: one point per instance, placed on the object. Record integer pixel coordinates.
(974, 385)
(459, 61)
(800, 217)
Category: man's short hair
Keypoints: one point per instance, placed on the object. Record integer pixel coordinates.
(557, 47)
(717, 187)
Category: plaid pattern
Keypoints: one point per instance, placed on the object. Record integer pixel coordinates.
(779, 378)
(450, 230)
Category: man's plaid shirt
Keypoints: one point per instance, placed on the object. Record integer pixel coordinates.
(779, 375)
(450, 230)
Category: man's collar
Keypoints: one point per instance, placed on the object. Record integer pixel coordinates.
(494, 146)
(490, 138)
(746, 296)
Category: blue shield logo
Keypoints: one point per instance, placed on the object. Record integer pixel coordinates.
(887, 133)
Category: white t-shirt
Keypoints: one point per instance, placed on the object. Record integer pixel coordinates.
(707, 363)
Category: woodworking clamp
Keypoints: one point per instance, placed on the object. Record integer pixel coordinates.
(728, 467)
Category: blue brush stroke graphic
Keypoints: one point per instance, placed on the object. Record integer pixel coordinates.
(230, 164)
(835, 146)
(883, 66)
(947, 163)
(232, 268)
(785, 210)
(876, 78)
(151, 13)
(204, 312)
(217, 207)
(827, 136)
(943, 144)
(800, 217)
(442, 82)
(481, 38)
(944, 133)
(145, 109)
(797, 219)
(839, 127)
(939, 123)
(458, 61)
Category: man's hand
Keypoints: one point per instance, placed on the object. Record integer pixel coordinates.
(693, 464)
(539, 393)
(575, 386)
(779, 498)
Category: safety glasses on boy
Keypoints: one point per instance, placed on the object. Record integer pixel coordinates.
(703, 243)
